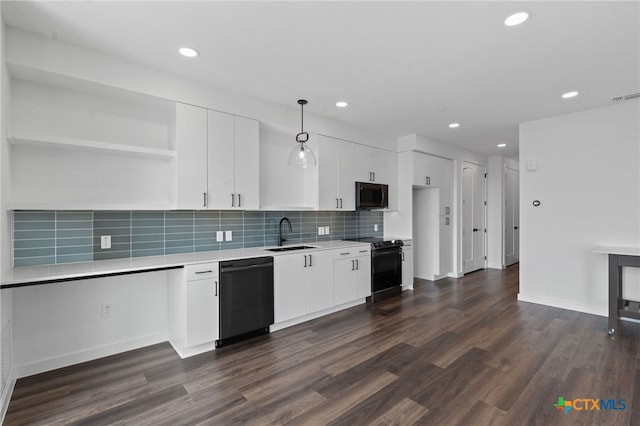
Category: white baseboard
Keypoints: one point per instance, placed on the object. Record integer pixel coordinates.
(563, 304)
(455, 274)
(65, 360)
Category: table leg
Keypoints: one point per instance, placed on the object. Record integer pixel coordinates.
(615, 292)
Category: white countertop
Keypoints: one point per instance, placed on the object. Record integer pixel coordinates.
(73, 271)
(627, 251)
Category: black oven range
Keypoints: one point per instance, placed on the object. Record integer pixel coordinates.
(386, 267)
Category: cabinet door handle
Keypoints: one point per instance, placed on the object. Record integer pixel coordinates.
(204, 199)
(344, 254)
(310, 259)
(374, 176)
(239, 201)
(305, 260)
(428, 180)
(337, 203)
(403, 256)
(233, 200)
(370, 177)
(204, 272)
(363, 251)
(340, 202)
(353, 265)
(216, 288)
(357, 265)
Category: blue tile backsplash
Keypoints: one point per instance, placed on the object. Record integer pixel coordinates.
(52, 237)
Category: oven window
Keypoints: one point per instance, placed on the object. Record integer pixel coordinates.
(386, 269)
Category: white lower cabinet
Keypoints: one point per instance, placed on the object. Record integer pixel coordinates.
(407, 265)
(302, 284)
(193, 309)
(311, 282)
(352, 274)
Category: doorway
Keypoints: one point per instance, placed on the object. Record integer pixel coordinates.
(426, 233)
(511, 217)
(473, 217)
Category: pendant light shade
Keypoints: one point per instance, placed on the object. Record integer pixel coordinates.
(301, 155)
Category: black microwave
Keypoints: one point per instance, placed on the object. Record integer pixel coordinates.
(372, 195)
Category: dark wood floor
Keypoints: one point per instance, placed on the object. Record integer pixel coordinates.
(452, 352)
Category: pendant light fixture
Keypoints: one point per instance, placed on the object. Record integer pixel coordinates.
(301, 155)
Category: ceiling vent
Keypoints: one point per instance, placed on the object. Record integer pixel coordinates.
(626, 97)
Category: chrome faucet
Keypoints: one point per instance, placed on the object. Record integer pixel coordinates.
(281, 240)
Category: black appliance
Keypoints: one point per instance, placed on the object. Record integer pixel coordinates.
(386, 267)
(246, 299)
(372, 195)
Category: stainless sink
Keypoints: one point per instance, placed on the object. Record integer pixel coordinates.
(289, 248)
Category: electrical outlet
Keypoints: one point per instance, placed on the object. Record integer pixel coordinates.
(105, 242)
(326, 230)
(320, 230)
(106, 310)
(219, 236)
(228, 236)
(375, 227)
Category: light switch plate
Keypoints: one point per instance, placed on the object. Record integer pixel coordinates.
(320, 230)
(228, 236)
(219, 236)
(327, 230)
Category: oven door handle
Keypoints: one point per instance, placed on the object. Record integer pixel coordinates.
(385, 252)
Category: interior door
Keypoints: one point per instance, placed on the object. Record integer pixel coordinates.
(473, 217)
(511, 217)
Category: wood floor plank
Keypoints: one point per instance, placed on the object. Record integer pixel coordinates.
(456, 351)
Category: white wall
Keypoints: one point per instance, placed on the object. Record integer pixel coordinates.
(62, 324)
(588, 183)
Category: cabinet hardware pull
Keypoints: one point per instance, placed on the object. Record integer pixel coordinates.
(446, 220)
(336, 203)
(370, 178)
(340, 202)
(403, 256)
(216, 288)
(305, 260)
(374, 176)
(344, 254)
(233, 200)
(204, 272)
(310, 259)
(353, 265)
(357, 265)
(204, 199)
(428, 180)
(363, 251)
(239, 201)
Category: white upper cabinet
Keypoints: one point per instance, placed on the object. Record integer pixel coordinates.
(336, 160)
(373, 165)
(191, 138)
(218, 160)
(431, 171)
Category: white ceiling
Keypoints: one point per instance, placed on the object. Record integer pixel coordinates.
(404, 67)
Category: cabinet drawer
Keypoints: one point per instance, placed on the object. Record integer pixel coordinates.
(352, 252)
(201, 271)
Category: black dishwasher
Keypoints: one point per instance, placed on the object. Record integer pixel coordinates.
(246, 298)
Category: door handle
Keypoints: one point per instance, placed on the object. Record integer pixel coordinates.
(475, 229)
(204, 272)
(340, 202)
(370, 177)
(310, 260)
(353, 265)
(204, 199)
(233, 200)
(337, 204)
(239, 200)
(428, 180)
(515, 227)
(403, 256)
(216, 289)
(374, 176)
(305, 260)
(357, 265)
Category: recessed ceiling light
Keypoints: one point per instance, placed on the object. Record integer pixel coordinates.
(569, 95)
(454, 125)
(342, 104)
(502, 145)
(516, 19)
(188, 52)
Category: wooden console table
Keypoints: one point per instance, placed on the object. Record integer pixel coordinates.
(619, 307)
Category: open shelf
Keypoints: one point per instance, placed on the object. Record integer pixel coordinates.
(91, 146)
